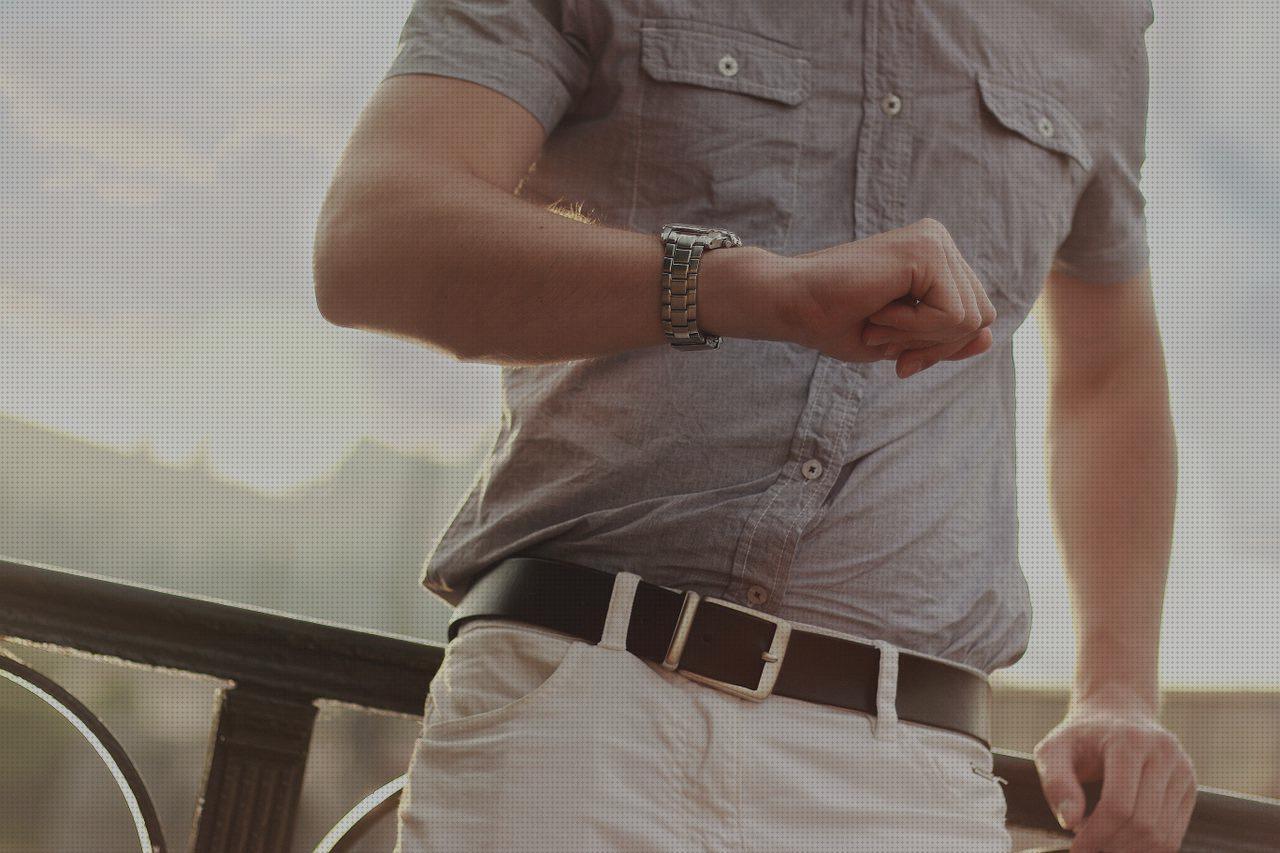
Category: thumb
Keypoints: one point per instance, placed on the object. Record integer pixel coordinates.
(1061, 787)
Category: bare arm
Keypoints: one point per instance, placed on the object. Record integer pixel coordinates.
(1113, 474)
(421, 237)
(1113, 477)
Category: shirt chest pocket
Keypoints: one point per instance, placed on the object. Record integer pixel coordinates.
(1035, 164)
(720, 129)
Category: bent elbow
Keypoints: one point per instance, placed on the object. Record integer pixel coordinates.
(332, 273)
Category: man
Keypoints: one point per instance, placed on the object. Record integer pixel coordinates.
(835, 481)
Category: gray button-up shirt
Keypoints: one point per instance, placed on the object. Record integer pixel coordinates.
(764, 472)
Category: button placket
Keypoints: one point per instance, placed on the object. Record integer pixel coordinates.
(768, 544)
(886, 141)
(764, 543)
(845, 383)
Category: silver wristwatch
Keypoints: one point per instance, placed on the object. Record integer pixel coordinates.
(683, 247)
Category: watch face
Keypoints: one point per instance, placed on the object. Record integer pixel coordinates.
(716, 237)
(696, 229)
(707, 342)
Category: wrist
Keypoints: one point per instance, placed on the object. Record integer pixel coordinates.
(1118, 668)
(744, 293)
(1136, 696)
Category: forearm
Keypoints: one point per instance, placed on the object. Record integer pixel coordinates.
(1113, 472)
(491, 277)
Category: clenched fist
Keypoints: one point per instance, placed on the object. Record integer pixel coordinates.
(905, 294)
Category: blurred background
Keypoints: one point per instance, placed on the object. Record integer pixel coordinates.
(174, 410)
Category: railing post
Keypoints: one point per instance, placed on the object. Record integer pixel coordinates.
(255, 768)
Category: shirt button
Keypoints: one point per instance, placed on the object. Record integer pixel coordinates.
(728, 65)
(891, 104)
(1045, 126)
(757, 595)
(812, 469)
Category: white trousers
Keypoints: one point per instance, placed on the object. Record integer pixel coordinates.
(537, 741)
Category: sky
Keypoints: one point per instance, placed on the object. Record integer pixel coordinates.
(162, 164)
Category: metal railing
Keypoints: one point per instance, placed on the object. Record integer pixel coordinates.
(280, 666)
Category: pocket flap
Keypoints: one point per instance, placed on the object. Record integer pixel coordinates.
(1038, 117)
(693, 52)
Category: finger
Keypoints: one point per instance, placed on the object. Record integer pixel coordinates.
(933, 282)
(874, 335)
(1122, 770)
(981, 343)
(923, 319)
(986, 311)
(965, 282)
(910, 342)
(1149, 827)
(989, 312)
(898, 349)
(914, 361)
(975, 344)
(904, 341)
(1056, 764)
(1187, 808)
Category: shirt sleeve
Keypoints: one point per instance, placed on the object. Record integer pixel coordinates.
(518, 48)
(1108, 238)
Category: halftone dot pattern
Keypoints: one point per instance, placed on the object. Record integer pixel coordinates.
(175, 410)
(626, 755)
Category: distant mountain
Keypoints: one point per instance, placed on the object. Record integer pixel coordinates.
(346, 547)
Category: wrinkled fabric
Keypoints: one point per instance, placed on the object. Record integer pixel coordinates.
(535, 741)
(1018, 124)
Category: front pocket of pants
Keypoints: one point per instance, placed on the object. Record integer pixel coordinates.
(961, 767)
(496, 673)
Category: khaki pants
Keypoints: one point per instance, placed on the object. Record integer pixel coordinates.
(536, 741)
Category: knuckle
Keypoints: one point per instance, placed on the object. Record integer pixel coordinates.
(1162, 743)
(932, 233)
(935, 228)
(938, 246)
(1168, 748)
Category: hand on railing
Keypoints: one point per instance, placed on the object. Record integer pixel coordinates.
(1148, 783)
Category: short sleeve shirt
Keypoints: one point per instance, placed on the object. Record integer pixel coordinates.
(764, 472)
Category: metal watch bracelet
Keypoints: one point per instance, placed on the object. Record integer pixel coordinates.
(683, 247)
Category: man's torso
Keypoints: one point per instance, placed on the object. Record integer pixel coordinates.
(800, 126)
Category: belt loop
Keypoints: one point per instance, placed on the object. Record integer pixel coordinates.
(618, 620)
(886, 725)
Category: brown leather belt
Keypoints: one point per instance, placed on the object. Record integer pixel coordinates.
(727, 646)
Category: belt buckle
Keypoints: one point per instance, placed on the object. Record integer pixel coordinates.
(772, 657)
